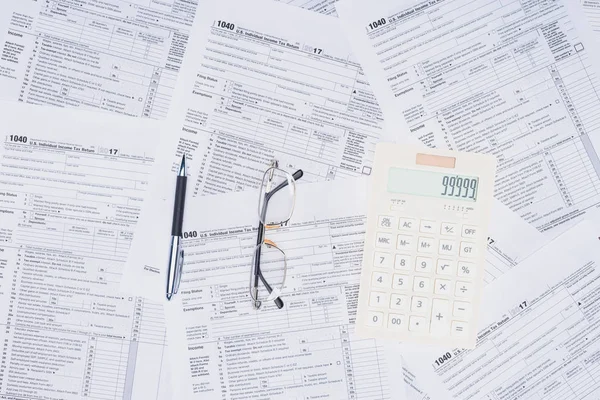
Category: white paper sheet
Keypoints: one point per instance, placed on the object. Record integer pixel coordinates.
(540, 330)
(71, 186)
(120, 56)
(515, 79)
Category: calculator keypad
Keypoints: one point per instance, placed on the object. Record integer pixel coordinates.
(422, 279)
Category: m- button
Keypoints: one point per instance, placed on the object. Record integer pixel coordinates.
(405, 243)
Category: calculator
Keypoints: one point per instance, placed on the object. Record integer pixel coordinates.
(425, 244)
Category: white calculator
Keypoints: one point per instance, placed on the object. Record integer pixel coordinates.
(425, 245)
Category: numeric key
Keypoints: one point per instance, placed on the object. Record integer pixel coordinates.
(382, 260)
(419, 304)
(380, 279)
(378, 299)
(401, 282)
(422, 285)
(402, 262)
(423, 264)
(398, 301)
(396, 322)
(374, 318)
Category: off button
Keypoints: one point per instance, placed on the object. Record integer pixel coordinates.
(469, 231)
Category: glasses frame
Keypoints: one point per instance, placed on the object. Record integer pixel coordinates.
(257, 275)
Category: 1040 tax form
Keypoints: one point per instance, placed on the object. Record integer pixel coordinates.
(254, 90)
(71, 186)
(116, 55)
(510, 78)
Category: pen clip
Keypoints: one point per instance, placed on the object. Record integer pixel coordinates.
(178, 269)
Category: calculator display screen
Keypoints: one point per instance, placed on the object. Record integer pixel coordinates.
(432, 184)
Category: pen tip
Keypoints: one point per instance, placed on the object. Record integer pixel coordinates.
(182, 166)
(169, 295)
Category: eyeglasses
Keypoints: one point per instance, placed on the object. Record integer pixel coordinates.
(277, 199)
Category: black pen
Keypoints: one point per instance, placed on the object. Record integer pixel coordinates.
(176, 254)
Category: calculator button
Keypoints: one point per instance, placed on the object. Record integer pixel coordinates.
(426, 245)
(407, 224)
(468, 249)
(459, 328)
(424, 264)
(445, 267)
(443, 287)
(401, 281)
(382, 260)
(427, 226)
(384, 240)
(417, 324)
(374, 318)
(386, 222)
(447, 247)
(448, 229)
(403, 262)
(380, 279)
(463, 289)
(398, 302)
(419, 304)
(465, 269)
(405, 243)
(396, 322)
(440, 317)
(378, 299)
(421, 284)
(469, 231)
(461, 309)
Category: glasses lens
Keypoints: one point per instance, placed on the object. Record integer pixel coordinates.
(277, 197)
(273, 268)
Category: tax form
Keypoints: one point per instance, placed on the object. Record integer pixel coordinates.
(119, 56)
(255, 90)
(510, 78)
(539, 339)
(71, 186)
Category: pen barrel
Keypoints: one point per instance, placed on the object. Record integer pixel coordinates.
(178, 206)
